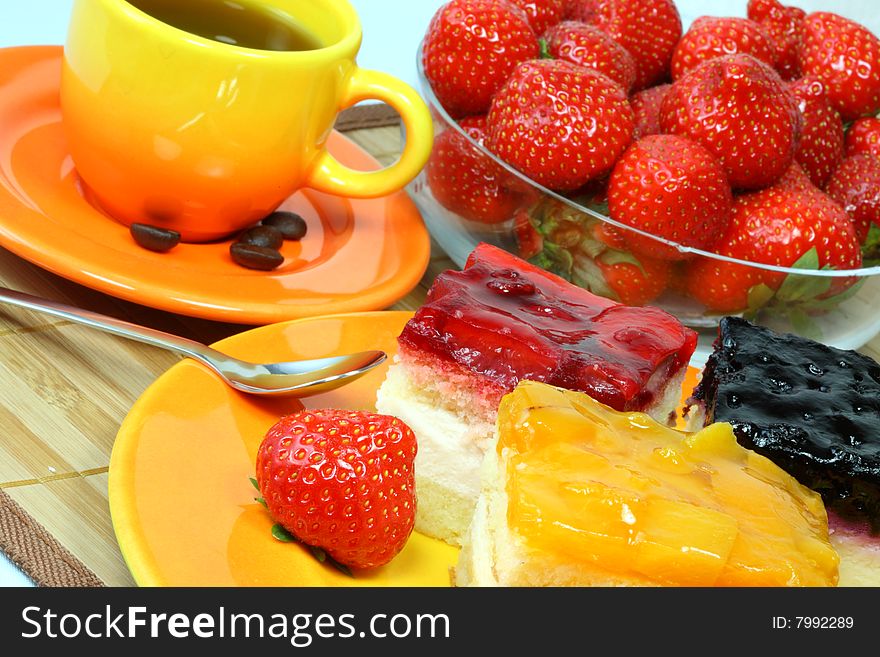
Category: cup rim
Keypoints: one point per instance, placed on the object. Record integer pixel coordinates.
(350, 41)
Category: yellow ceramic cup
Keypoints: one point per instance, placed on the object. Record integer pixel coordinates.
(175, 130)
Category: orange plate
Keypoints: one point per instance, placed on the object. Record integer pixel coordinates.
(357, 255)
(182, 506)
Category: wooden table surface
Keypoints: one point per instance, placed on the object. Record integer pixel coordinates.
(66, 389)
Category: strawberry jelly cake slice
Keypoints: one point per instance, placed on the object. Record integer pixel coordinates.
(499, 321)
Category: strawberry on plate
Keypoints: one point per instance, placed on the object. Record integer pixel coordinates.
(846, 57)
(587, 45)
(342, 481)
(863, 136)
(855, 185)
(791, 224)
(820, 148)
(646, 107)
(648, 29)
(714, 36)
(560, 124)
(673, 188)
(742, 112)
(470, 48)
(783, 26)
(542, 13)
(469, 183)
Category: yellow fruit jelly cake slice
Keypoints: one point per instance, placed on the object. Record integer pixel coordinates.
(500, 321)
(577, 494)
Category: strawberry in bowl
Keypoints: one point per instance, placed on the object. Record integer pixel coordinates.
(636, 186)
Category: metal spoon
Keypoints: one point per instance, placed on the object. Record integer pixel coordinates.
(298, 378)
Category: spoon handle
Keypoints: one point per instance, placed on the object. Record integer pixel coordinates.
(109, 324)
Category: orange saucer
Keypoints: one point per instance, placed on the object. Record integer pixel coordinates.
(357, 255)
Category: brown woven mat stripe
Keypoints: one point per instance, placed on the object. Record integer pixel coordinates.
(376, 115)
(33, 549)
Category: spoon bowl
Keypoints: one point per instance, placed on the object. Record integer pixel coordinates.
(298, 378)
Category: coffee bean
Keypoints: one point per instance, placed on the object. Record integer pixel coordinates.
(255, 257)
(291, 225)
(265, 236)
(154, 238)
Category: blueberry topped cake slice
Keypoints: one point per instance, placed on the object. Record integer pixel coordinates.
(812, 409)
(500, 321)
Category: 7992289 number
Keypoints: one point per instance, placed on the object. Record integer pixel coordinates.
(823, 622)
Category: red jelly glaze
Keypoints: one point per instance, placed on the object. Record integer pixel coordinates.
(508, 320)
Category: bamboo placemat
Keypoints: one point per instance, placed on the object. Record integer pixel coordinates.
(66, 389)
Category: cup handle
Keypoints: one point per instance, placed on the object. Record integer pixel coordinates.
(328, 175)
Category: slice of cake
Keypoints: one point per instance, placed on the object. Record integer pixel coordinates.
(815, 411)
(500, 321)
(577, 494)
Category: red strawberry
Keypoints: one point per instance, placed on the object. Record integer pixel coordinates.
(846, 57)
(855, 185)
(670, 187)
(711, 36)
(470, 48)
(580, 10)
(741, 111)
(342, 481)
(795, 178)
(467, 182)
(528, 240)
(648, 29)
(778, 226)
(783, 26)
(863, 136)
(559, 123)
(635, 283)
(586, 45)
(542, 13)
(820, 148)
(646, 106)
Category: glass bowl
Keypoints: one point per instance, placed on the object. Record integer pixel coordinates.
(574, 237)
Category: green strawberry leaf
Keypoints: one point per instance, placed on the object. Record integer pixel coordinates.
(544, 49)
(560, 260)
(800, 288)
(837, 299)
(759, 296)
(258, 499)
(615, 257)
(281, 534)
(810, 260)
(318, 553)
(871, 247)
(341, 567)
(803, 324)
(586, 274)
